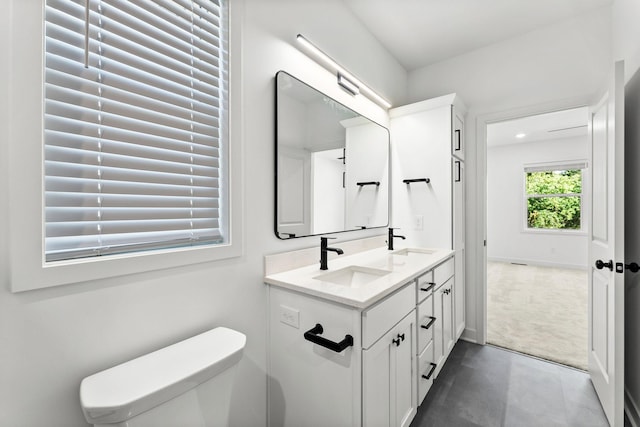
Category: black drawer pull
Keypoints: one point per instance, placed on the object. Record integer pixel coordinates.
(428, 288)
(313, 335)
(428, 325)
(433, 368)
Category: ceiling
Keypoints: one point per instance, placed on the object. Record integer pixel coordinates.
(542, 127)
(422, 32)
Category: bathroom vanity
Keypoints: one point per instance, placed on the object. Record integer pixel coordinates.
(361, 343)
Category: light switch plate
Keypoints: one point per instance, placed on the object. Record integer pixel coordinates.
(290, 316)
(418, 223)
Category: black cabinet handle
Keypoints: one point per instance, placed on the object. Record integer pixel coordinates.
(433, 368)
(458, 140)
(458, 176)
(428, 325)
(600, 264)
(313, 335)
(399, 340)
(428, 288)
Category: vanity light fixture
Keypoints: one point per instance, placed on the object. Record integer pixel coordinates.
(346, 80)
(348, 85)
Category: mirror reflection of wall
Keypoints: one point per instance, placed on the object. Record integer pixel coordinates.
(328, 169)
(323, 150)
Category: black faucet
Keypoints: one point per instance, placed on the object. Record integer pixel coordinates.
(391, 236)
(323, 252)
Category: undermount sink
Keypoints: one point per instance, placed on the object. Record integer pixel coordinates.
(413, 251)
(353, 276)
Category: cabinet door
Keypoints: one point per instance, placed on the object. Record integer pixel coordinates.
(459, 243)
(438, 340)
(389, 380)
(443, 334)
(448, 331)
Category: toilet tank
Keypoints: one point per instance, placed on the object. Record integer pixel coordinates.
(186, 384)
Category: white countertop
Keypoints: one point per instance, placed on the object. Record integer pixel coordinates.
(401, 269)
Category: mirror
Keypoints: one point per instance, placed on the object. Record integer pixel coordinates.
(332, 164)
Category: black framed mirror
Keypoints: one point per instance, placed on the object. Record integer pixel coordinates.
(332, 164)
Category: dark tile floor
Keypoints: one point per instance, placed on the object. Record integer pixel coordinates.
(491, 387)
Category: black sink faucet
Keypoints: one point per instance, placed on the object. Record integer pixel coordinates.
(323, 252)
(391, 236)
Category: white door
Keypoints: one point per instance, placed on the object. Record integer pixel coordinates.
(294, 188)
(606, 248)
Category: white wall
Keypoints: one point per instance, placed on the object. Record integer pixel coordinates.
(561, 64)
(367, 153)
(328, 202)
(626, 33)
(50, 339)
(507, 239)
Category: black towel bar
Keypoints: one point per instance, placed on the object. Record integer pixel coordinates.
(313, 335)
(409, 181)
(361, 184)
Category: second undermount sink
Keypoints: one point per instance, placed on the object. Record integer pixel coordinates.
(414, 251)
(353, 276)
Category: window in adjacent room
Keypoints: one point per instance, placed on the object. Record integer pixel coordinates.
(553, 197)
(135, 126)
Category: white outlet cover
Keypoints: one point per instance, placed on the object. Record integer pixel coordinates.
(290, 316)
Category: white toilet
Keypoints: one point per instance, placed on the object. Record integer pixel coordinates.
(187, 384)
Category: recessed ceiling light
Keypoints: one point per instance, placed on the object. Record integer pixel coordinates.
(521, 135)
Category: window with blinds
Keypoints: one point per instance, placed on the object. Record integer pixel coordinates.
(135, 126)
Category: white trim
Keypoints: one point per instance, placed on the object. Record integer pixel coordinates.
(26, 169)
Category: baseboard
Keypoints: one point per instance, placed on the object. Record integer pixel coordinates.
(631, 409)
(537, 263)
(469, 335)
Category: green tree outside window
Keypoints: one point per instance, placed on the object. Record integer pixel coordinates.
(554, 199)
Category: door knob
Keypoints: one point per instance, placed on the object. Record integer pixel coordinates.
(633, 267)
(600, 264)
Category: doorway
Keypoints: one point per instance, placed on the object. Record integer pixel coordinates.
(537, 200)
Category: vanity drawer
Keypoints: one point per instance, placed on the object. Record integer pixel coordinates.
(425, 369)
(426, 323)
(383, 316)
(426, 285)
(443, 272)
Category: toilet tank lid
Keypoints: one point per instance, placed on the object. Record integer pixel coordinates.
(119, 393)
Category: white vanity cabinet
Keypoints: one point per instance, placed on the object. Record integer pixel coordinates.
(370, 383)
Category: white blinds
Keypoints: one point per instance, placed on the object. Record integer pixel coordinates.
(133, 141)
(562, 166)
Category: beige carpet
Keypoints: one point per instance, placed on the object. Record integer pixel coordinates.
(540, 311)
